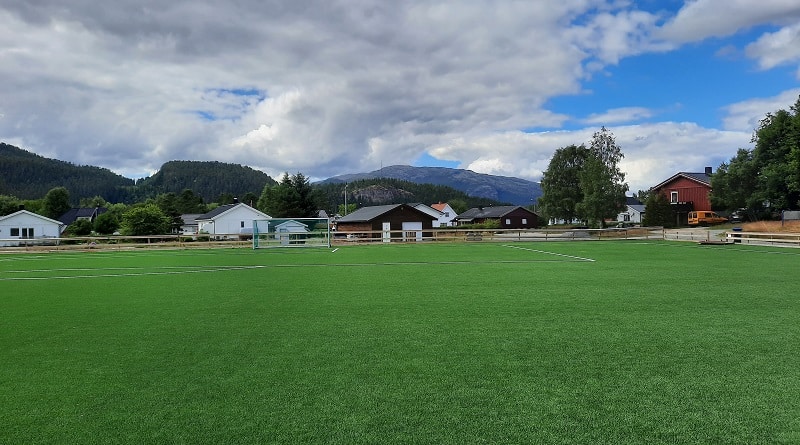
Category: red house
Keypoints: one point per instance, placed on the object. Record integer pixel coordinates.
(687, 192)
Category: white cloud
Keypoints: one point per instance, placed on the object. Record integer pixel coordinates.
(700, 19)
(652, 152)
(619, 115)
(745, 116)
(773, 49)
(338, 87)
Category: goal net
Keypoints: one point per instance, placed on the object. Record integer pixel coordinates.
(291, 232)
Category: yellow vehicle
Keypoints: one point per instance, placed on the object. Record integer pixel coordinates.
(705, 218)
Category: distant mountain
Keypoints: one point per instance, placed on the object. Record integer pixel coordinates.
(208, 179)
(27, 175)
(499, 188)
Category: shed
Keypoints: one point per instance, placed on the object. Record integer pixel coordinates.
(392, 222)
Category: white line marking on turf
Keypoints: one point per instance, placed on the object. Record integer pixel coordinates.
(111, 275)
(550, 253)
(334, 250)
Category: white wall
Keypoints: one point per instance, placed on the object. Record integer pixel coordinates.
(42, 227)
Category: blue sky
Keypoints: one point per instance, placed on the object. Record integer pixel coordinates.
(332, 87)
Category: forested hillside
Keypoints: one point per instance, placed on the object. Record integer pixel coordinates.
(379, 191)
(29, 176)
(26, 175)
(208, 179)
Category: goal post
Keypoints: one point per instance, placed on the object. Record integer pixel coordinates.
(291, 232)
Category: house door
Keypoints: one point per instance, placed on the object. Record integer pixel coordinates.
(412, 231)
(387, 232)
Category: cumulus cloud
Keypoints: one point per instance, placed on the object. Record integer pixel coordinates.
(745, 115)
(700, 19)
(333, 87)
(619, 115)
(781, 47)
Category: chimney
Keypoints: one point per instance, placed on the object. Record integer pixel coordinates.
(236, 200)
(708, 171)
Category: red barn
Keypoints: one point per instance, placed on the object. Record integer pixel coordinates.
(687, 192)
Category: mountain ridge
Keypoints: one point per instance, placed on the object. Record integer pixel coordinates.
(499, 188)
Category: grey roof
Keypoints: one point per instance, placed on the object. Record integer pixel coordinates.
(703, 178)
(637, 207)
(368, 213)
(487, 212)
(631, 201)
(74, 213)
(190, 218)
(219, 210)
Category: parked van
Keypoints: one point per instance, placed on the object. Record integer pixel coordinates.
(705, 218)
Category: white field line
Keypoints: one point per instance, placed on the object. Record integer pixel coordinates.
(551, 253)
(140, 272)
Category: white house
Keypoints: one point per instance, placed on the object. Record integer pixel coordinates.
(230, 220)
(448, 215)
(25, 225)
(435, 214)
(633, 213)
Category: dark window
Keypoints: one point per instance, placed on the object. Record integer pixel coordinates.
(15, 231)
(241, 224)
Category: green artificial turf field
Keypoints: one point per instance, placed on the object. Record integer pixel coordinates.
(561, 342)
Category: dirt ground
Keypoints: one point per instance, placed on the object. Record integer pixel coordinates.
(772, 226)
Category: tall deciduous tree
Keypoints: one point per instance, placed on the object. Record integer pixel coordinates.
(145, 220)
(768, 176)
(601, 181)
(560, 183)
(56, 202)
(292, 197)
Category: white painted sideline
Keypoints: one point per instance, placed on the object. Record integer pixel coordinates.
(550, 253)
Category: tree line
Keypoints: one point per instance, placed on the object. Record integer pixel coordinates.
(293, 196)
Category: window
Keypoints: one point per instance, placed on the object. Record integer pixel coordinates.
(27, 233)
(241, 224)
(673, 196)
(447, 214)
(626, 217)
(524, 220)
(15, 231)
(508, 221)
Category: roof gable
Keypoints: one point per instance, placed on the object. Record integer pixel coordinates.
(368, 213)
(701, 178)
(29, 213)
(224, 209)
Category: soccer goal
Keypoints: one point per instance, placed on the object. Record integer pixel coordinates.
(291, 232)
